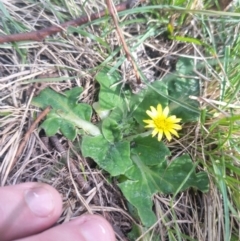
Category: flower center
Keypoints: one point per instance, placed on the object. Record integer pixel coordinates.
(161, 123)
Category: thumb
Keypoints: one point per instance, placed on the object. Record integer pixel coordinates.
(84, 228)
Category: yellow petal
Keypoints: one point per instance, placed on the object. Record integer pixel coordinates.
(174, 132)
(168, 135)
(160, 135)
(177, 120)
(177, 127)
(153, 109)
(173, 119)
(154, 133)
(166, 111)
(159, 109)
(148, 121)
(152, 113)
(150, 126)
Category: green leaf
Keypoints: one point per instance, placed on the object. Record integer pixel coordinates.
(110, 130)
(51, 125)
(152, 152)
(102, 113)
(73, 94)
(180, 88)
(123, 117)
(147, 179)
(66, 115)
(68, 130)
(151, 98)
(180, 174)
(184, 66)
(112, 157)
(110, 89)
(139, 193)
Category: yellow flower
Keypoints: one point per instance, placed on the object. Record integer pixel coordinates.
(161, 123)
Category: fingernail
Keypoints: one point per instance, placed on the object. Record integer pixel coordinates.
(93, 229)
(40, 201)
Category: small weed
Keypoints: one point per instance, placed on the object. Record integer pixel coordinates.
(183, 189)
(144, 164)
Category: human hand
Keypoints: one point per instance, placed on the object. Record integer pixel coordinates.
(28, 210)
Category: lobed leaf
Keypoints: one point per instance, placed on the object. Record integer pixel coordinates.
(66, 115)
(110, 90)
(158, 176)
(112, 157)
(180, 88)
(111, 130)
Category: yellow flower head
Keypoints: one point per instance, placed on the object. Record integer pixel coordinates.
(161, 123)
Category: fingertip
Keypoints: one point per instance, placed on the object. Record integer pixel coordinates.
(83, 228)
(28, 208)
(95, 227)
(43, 200)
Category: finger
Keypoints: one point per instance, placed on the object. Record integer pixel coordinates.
(27, 208)
(84, 228)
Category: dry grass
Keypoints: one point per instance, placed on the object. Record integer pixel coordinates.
(62, 62)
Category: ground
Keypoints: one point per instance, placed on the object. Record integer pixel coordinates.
(72, 58)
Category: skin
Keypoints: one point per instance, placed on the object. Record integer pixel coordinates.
(29, 211)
